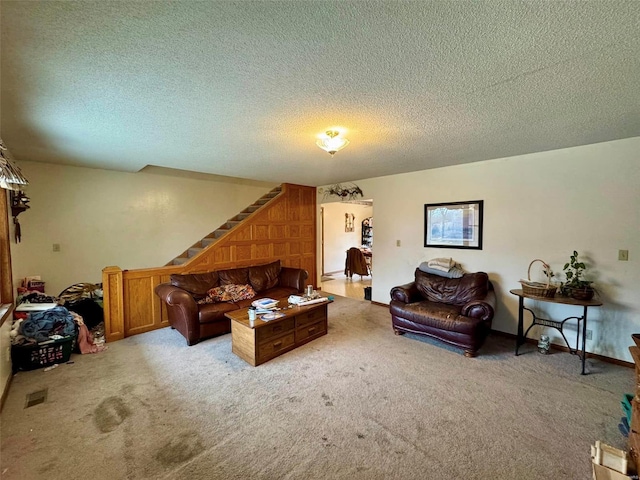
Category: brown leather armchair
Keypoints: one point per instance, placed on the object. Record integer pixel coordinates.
(458, 311)
(197, 321)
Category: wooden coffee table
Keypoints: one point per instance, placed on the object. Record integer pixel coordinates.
(266, 340)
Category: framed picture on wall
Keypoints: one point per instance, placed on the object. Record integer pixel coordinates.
(453, 225)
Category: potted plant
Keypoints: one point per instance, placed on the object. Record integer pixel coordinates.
(576, 286)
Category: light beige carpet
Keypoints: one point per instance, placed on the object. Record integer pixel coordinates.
(358, 403)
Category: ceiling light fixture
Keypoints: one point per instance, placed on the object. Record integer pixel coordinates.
(331, 142)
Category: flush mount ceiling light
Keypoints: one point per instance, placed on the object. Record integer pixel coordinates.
(331, 142)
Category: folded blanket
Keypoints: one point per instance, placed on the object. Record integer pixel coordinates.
(454, 272)
(441, 262)
(438, 267)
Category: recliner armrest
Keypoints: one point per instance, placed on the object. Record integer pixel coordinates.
(407, 293)
(293, 278)
(483, 309)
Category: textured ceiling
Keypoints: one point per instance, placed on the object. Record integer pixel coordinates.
(242, 88)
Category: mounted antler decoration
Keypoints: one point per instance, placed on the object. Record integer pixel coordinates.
(350, 193)
(19, 203)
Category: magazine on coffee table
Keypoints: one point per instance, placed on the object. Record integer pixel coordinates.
(271, 316)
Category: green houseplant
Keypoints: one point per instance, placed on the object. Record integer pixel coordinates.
(575, 285)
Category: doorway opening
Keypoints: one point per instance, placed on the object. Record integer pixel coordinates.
(345, 225)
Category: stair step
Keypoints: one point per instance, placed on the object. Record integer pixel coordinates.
(232, 223)
(240, 217)
(193, 251)
(262, 201)
(251, 209)
(179, 260)
(205, 242)
(219, 232)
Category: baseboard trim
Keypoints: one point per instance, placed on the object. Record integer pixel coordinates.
(565, 349)
(5, 393)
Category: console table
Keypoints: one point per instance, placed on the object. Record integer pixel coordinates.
(558, 325)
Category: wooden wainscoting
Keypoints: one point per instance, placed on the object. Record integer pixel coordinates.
(283, 229)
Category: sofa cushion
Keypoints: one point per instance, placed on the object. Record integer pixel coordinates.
(197, 284)
(214, 312)
(266, 276)
(452, 291)
(237, 276)
(435, 315)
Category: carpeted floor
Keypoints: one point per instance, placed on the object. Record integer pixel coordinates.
(358, 403)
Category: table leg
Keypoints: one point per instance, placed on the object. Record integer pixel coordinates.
(584, 339)
(519, 339)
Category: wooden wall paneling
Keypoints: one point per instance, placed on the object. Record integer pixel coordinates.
(241, 235)
(278, 213)
(277, 231)
(293, 231)
(243, 253)
(279, 249)
(295, 248)
(263, 251)
(139, 305)
(261, 232)
(222, 254)
(113, 292)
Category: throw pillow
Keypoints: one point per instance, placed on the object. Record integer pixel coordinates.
(219, 294)
(229, 293)
(240, 292)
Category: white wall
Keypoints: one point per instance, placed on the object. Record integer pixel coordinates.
(131, 220)
(543, 205)
(336, 240)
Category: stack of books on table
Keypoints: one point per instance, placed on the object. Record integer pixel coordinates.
(265, 305)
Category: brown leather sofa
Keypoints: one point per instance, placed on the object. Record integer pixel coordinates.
(455, 310)
(199, 321)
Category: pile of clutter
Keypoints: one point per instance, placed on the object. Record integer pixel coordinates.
(46, 329)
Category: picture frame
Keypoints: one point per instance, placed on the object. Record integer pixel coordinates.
(349, 222)
(454, 224)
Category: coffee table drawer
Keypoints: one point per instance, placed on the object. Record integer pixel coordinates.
(309, 331)
(274, 347)
(275, 329)
(311, 317)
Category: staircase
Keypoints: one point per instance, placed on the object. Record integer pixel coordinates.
(225, 228)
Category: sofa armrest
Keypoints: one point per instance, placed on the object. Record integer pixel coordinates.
(407, 293)
(293, 278)
(176, 296)
(483, 309)
(182, 311)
